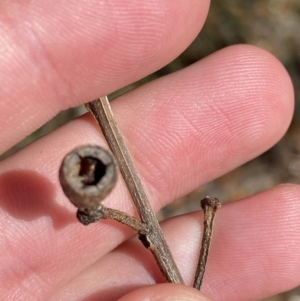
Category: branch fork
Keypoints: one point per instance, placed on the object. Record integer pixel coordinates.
(89, 173)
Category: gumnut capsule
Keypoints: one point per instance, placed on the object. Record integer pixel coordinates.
(87, 175)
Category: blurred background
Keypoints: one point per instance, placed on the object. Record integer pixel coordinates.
(270, 24)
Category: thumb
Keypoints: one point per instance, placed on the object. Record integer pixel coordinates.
(165, 292)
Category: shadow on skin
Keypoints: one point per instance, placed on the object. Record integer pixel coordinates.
(27, 195)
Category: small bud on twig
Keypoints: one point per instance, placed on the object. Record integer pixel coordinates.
(210, 206)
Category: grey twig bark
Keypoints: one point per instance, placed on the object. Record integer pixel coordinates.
(154, 240)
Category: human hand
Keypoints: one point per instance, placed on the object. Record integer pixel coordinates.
(182, 130)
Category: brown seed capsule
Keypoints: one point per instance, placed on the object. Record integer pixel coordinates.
(87, 175)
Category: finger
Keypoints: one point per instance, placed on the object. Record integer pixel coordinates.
(254, 253)
(54, 57)
(165, 292)
(176, 145)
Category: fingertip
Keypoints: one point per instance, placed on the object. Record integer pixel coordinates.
(265, 73)
(165, 292)
(254, 91)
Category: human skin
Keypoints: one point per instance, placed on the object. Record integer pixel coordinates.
(182, 130)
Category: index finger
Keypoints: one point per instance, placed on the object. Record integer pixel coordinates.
(54, 57)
